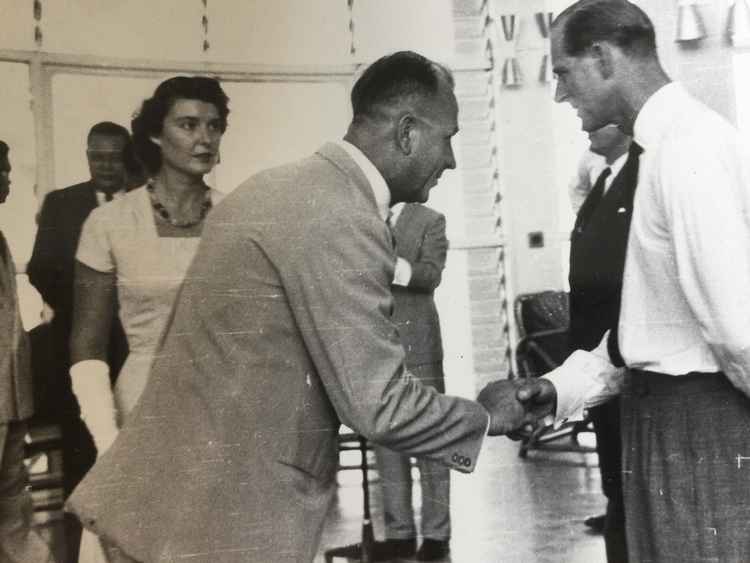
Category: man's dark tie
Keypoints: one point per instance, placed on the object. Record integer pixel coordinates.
(613, 347)
(108, 196)
(592, 200)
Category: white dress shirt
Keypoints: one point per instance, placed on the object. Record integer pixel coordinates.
(686, 286)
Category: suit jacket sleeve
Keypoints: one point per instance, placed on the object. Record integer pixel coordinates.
(45, 269)
(337, 279)
(427, 270)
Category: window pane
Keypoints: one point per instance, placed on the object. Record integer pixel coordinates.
(17, 215)
(272, 123)
(79, 101)
(167, 29)
(279, 32)
(383, 26)
(16, 25)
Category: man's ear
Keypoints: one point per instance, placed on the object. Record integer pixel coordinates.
(603, 55)
(405, 133)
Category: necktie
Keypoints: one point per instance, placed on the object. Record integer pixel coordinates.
(631, 166)
(592, 200)
(108, 196)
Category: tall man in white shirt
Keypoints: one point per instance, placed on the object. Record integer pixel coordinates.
(684, 323)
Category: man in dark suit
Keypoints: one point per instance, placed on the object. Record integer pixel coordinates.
(281, 332)
(50, 270)
(421, 249)
(18, 542)
(597, 260)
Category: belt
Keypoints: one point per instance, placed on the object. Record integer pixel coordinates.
(641, 382)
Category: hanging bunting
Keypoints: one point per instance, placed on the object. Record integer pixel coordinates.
(511, 73)
(690, 25)
(352, 46)
(544, 23)
(204, 25)
(738, 24)
(38, 25)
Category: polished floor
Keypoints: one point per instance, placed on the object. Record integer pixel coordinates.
(509, 510)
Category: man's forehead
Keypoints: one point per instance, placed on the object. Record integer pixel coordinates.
(106, 143)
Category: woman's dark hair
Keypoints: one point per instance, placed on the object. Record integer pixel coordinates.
(148, 122)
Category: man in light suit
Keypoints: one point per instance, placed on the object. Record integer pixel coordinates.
(281, 332)
(421, 249)
(18, 542)
(50, 271)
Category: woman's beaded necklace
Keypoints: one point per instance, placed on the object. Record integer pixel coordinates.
(164, 214)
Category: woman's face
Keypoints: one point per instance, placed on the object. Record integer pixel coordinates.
(190, 137)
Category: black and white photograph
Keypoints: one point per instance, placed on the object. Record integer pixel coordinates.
(330, 281)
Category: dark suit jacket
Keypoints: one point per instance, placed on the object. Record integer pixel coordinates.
(420, 240)
(51, 268)
(597, 261)
(281, 332)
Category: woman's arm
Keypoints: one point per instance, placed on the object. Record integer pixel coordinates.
(93, 311)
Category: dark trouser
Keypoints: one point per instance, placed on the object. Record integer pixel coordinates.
(606, 419)
(19, 543)
(686, 474)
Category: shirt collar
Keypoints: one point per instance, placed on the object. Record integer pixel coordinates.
(374, 177)
(617, 165)
(657, 113)
(101, 197)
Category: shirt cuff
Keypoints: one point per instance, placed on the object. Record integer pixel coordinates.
(402, 275)
(575, 381)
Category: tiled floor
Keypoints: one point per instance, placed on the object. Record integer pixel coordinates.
(509, 510)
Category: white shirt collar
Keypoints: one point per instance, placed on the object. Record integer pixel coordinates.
(615, 168)
(374, 177)
(657, 113)
(101, 198)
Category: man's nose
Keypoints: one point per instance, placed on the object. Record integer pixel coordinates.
(450, 162)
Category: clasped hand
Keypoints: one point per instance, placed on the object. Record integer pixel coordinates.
(517, 407)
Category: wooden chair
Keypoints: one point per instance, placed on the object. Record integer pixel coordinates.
(543, 320)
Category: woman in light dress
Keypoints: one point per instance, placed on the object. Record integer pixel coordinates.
(138, 248)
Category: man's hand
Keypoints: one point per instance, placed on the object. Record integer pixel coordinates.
(507, 413)
(517, 404)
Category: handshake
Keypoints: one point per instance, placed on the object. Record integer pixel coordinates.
(517, 407)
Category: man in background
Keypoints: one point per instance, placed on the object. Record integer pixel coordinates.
(421, 249)
(19, 543)
(50, 271)
(597, 259)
